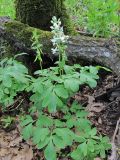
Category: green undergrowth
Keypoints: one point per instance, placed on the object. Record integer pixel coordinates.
(101, 18)
(53, 122)
(7, 8)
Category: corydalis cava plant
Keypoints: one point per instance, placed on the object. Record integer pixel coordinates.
(52, 90)
(59, 41)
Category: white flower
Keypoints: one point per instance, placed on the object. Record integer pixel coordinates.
(59, 36)
(54, 50)
(62, 39)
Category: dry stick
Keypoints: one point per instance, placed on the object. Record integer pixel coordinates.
(116, 129)
(17, 105)
(114, 150)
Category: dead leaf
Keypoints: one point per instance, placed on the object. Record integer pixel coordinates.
(94, 106)
(98, 158)
(91, 99)
(12, 148)
(24, 154)
(99, 120)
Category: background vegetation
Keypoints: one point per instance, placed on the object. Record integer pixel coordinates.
(100, 18)
(7, 8)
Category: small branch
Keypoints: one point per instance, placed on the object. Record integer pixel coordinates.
(114, 148)
(116, 130)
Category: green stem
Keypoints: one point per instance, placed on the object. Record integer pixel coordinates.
(41, 65)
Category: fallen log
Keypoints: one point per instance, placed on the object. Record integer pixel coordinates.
(15, 37)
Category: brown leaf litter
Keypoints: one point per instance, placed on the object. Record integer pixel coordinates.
(12, 147)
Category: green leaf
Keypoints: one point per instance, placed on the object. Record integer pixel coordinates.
(59, 102)
(27, 131)
(59, 142)
(37, 86)
(89, 78)
(53, 103)
(93, 132)
(102, 153)
(92, 83)
(46, 101)
(82, 114)
(76, 155)
(66, 134)
(77, 66)
(93, 69)
(79, 139)
(72, 84)
(75, 107)
(70, 122)
(7, 81)
(19, 77)
(58, 123)
(61, 91)
(84, 124)
(42, 144)
(68, 69)
(83, 148)
(106, 69)
(105, 139)
(56, 78)
(50, 152)
(55, 70)
(6, 91)
(46, 98)
(28, 119)
(44, 121)
(91, 145)
(41, 72)
(39, 134)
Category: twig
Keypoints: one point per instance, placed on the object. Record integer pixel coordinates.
(18, 105)
(116, 129)
(114, 148)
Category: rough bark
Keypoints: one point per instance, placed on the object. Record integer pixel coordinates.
(15, 38)
(38, 13)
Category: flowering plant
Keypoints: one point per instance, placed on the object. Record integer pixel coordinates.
(59, 41)
(55, 122)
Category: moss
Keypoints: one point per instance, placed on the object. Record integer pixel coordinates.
(5, 49)
(23, 33)
(19, 40)
(38, 13)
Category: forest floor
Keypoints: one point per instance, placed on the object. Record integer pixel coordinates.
(103, 104)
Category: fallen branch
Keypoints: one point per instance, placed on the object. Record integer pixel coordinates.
(84, 49)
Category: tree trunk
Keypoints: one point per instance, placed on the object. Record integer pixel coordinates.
(38, 13)
(15, 37)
